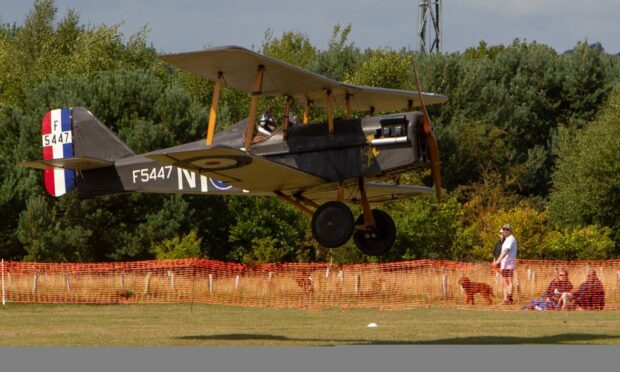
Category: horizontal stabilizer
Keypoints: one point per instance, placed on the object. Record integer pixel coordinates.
(79, 164)
(239, 169)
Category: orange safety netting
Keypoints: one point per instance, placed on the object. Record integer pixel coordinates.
(396, 285)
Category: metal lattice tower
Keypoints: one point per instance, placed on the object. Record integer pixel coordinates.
(429, 26)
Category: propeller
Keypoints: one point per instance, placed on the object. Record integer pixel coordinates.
(431, 141)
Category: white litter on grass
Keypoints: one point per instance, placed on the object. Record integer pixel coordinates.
(372, 325)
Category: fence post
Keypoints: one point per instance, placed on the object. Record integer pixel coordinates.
(444, 285)
(34, 284)
(147, 282)
(517, 283)
(358, 283)
(210, 283)
(327, 272)
(122, 280)
(170, 274)
(67, 283)
(3, 296)
(237, 282)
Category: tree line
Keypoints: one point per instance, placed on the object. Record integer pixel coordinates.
(529, 137)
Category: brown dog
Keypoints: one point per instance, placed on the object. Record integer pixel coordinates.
(471, 288)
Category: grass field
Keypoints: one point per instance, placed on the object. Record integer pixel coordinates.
(213, 325)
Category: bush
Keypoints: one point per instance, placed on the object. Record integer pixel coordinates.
(529, 228)
(581, 243)
(265, 250)
(176, 247)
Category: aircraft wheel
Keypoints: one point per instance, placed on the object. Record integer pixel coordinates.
(377, 241)
(332, 224)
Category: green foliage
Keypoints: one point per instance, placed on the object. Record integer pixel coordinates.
(47, 238)
(341, 57)
(292, 47)
(586, 188)
(25, 54)
(265, 249)
(484, 51)
(384, 68)
(265, 227)
(587, 243)
(524, 92)
(186, 246)
(426, 229)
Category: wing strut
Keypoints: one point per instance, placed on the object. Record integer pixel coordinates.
(214, 103)
(369, 219)
(330, 111)
(256, 92)
(347, 103)
(307, 111)
(287, 109)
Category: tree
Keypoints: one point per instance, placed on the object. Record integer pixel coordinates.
(385, 69)
(292, 47)
(187, 246)
(47, 238)
(341, 57)
(586, 183)
(264, 226)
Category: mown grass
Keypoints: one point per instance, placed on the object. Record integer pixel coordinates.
(213, 325)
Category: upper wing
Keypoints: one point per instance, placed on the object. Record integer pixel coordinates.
(375, 192)
(239, 169)
(239, 66)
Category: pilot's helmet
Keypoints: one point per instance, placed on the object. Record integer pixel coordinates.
(267, 122)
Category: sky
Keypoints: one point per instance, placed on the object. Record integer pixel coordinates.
(188, 25)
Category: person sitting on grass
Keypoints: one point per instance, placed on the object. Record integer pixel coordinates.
(556, 294)
(559, 289)
(590, 295)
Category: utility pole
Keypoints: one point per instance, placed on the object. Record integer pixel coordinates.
(429, 26)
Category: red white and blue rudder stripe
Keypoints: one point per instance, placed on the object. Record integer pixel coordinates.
(57, 142)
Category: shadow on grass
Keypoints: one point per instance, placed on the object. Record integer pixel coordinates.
(563, 338)
(237, 337)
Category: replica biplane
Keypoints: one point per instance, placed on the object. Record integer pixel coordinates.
(318, 167)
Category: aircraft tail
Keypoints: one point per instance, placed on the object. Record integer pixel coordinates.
(73, 140)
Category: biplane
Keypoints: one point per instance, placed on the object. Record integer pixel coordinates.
(318, 167)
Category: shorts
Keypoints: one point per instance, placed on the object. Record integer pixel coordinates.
(507, 273)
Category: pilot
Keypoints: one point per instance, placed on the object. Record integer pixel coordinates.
(266, 123)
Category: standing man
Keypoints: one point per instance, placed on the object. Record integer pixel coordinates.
(507, 262)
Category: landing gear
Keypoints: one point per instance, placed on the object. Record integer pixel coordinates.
(332, 224)
(377, 240)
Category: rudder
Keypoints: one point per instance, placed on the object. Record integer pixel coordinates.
(57, 144)
(76, 135)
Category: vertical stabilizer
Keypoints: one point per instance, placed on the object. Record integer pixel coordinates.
(57, 144)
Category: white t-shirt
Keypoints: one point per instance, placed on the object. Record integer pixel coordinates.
(509, 262)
